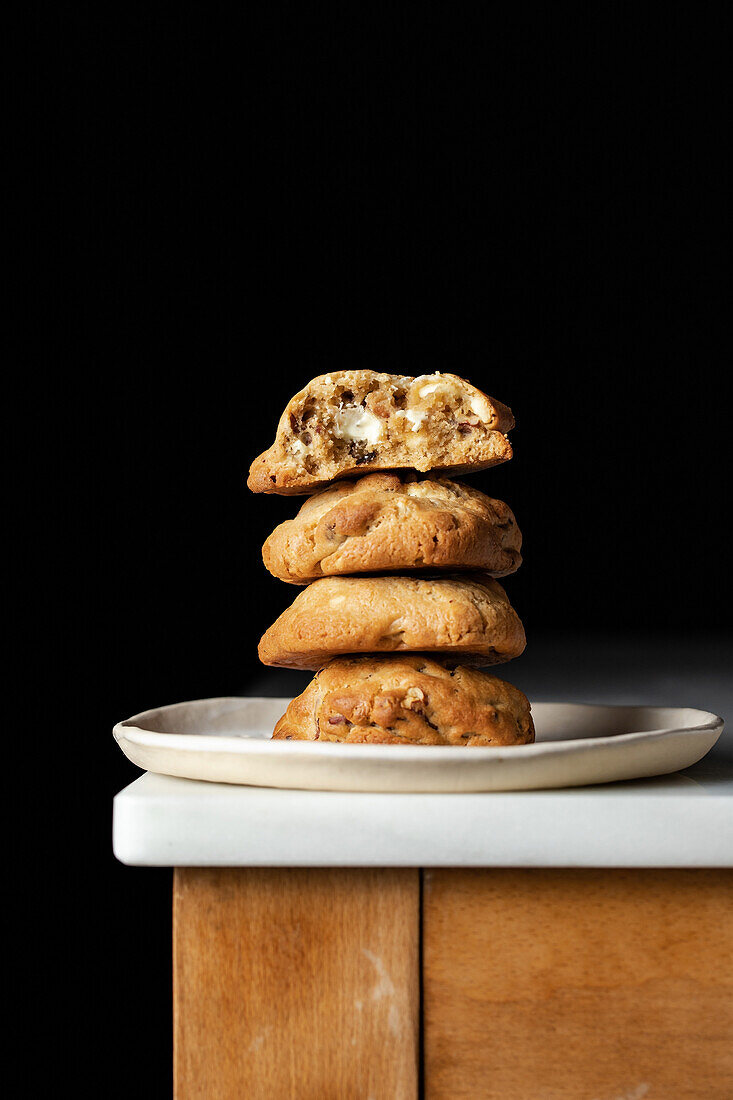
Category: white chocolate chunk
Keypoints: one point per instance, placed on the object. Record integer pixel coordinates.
(480, 407)
(416, 417)
(441, 387)
(359, 425)
(424, 391)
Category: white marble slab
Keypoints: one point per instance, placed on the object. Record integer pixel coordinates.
(683, 820)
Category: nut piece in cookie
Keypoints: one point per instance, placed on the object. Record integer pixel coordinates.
(407, 700)
(356, 421)
(465, 618)
(383, 523)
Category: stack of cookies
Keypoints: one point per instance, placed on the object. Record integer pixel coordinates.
(400, 607)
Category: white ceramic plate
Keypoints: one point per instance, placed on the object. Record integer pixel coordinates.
(229, 741)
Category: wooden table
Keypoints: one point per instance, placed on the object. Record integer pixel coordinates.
(439, 949)
(501, 983)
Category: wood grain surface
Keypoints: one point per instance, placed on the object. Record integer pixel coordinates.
(296, 983)
(565, 984)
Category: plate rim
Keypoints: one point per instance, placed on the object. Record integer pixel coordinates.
(129, 730)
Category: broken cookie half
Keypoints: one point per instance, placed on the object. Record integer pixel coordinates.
(353, 422)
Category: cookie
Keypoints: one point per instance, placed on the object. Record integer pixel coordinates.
(407, 701)
(466, 619)
(356, 421)
(383, 523)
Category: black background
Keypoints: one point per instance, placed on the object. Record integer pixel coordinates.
(242, 198)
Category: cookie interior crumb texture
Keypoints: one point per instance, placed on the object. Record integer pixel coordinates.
(466, 618)
(386, 523)
(407, 700)
(349, 422)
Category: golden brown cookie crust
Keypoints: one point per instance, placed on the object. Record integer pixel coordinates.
(467, 619)
(352, 422)
(407, 701)
(384, 523)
